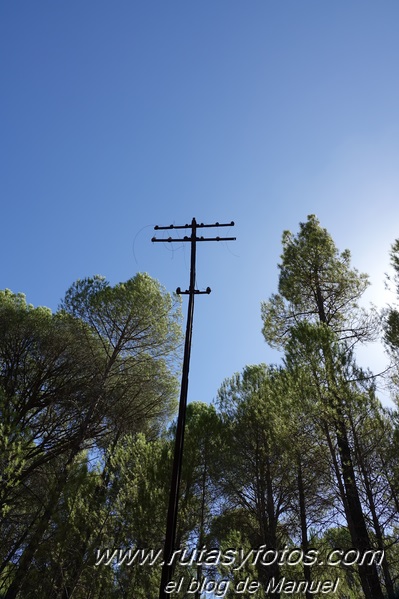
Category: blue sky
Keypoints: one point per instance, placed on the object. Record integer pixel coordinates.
(116, 116)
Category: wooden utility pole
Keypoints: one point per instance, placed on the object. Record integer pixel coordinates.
(168, 566)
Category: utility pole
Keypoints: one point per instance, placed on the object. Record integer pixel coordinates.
(168, 566)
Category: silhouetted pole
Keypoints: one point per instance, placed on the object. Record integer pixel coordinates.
(168, 566)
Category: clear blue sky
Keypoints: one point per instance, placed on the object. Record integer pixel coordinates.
(116, 116)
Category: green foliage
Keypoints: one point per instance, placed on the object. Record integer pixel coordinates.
(200, 455)
(138, 326)
(316, 284)
(257, 427)
(100, 369)
(391, 325)
(87, 393)
(134, 318)
(316, 318)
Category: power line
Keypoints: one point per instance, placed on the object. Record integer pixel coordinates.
(168, 566)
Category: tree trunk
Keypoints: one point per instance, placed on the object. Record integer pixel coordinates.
(368, 573)
(304, 528)
(376, 523)
(356, 522)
